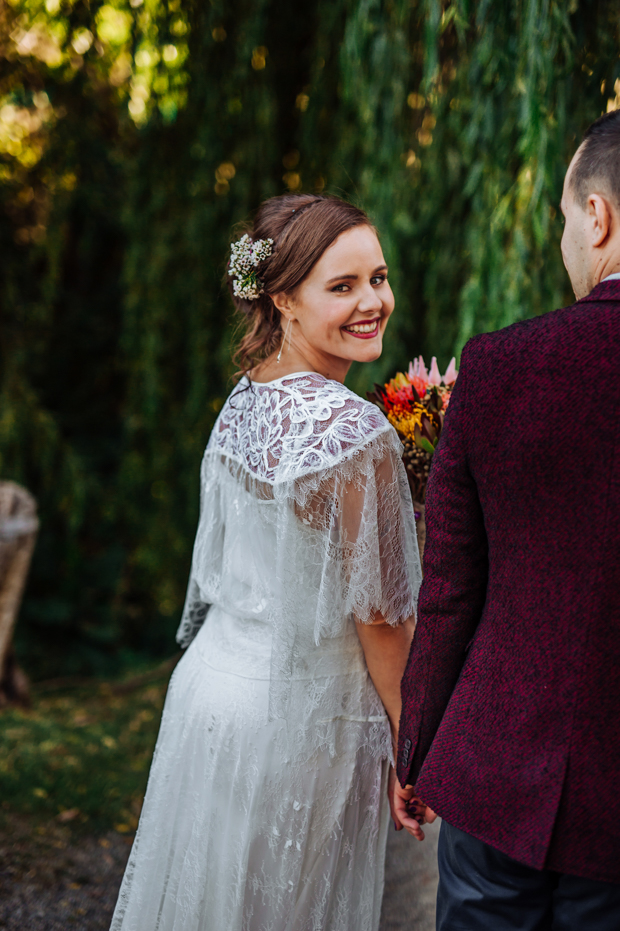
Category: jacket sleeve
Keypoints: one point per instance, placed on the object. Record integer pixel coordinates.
(454, 587)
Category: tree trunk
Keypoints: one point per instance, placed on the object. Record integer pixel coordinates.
(18, 532)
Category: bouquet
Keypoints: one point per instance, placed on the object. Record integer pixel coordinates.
(415, 404)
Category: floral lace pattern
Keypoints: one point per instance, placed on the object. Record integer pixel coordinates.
(266, 807)
(300, 424)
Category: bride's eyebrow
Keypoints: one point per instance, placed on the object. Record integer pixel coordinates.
(381, 268)
(342, 278)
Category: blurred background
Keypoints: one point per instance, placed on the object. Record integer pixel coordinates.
(135, 134)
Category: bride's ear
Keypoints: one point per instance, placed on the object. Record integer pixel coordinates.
(284, 303)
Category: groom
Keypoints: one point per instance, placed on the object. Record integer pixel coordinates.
(510, 727)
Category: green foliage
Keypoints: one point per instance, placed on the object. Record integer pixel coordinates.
(83, 755)
(134, 134)
(512, 88)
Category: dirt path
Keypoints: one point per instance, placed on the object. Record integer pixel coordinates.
(52, 880)
(410, 881)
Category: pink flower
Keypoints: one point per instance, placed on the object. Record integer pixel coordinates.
(434, 377)
(451, 373)
(421, 379)
(418, 376)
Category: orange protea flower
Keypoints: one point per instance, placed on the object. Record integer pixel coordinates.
(420, 385)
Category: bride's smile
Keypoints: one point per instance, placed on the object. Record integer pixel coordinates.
(366, 330)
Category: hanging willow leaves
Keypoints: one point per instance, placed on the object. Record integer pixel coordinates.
(134, 135)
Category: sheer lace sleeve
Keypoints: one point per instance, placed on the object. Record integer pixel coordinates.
(370, 563)
(378, 547)
(205, 574)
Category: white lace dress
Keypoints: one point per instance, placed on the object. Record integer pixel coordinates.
(266, 807)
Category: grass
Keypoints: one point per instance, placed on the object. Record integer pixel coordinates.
(81, 756)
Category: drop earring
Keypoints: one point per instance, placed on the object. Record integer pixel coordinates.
(286, 333)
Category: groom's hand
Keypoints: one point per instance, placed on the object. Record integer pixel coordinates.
(409, 811)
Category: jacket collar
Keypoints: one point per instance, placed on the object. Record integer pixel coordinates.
(605, 291)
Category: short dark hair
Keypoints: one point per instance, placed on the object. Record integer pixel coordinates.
(599, 159)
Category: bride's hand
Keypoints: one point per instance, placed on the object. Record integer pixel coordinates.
(408, 810)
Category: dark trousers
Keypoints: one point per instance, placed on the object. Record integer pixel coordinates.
(481, 889)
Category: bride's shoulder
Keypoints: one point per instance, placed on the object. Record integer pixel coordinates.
(325, 422)
(298, 422)
(312, 397)
(317, 397)
(328, 399)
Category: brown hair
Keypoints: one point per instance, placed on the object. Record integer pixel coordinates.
(302, 227)
(599, 159)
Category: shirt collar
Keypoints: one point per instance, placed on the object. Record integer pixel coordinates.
(611, 277)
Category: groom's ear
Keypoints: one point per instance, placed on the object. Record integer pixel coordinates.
(600, 219)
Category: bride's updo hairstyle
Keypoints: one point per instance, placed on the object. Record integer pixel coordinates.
(302, 227)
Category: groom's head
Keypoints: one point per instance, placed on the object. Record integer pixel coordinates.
(591, 206)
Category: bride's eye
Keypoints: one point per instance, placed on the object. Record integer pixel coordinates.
(378, 279)
(341, 288)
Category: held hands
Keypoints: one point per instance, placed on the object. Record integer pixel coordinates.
(408, 811)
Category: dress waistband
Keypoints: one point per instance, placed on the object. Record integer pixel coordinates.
(242, 646)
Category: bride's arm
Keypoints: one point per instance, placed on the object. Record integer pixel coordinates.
(386, 649)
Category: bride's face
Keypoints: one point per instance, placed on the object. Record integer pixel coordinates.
(343, 306)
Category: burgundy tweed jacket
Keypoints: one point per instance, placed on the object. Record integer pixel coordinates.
(510, 727)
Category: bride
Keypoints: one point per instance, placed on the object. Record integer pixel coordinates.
(266, 807)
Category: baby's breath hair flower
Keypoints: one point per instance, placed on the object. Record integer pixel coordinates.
(245, 257)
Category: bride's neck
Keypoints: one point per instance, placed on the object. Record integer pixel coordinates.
(293, 360)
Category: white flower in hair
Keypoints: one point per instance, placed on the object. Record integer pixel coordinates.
(245, 257)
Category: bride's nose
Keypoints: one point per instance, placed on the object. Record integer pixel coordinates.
(369, 301)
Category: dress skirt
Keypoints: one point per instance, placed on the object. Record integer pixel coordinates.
(257, 825)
